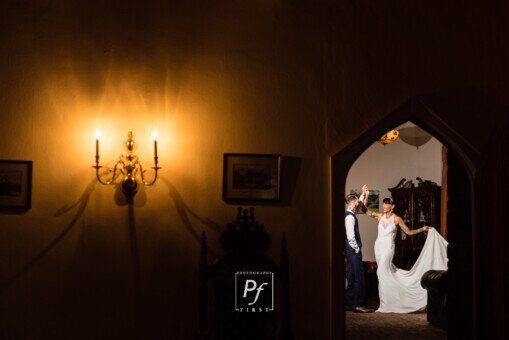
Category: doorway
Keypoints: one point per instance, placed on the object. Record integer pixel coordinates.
(460, 225)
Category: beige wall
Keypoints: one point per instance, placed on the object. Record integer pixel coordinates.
(382, 167)
(291, 77)
(210, 79)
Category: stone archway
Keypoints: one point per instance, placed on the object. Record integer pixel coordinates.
(420, 114)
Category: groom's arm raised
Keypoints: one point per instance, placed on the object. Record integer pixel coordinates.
(364, 198)
(365, 193)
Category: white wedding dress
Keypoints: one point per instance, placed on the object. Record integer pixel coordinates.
(400, 290)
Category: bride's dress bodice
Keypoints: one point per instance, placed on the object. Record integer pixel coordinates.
(387, 227)
(400, 290)
(384, 244)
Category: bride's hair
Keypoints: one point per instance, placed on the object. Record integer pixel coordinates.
(388, 200)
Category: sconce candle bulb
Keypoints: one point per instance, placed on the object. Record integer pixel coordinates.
(128, 165)
(97, 137)
(154, 135)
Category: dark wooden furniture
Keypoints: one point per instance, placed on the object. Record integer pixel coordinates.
(417, 206)
(435, 282)
(244, 242)
(371, 279)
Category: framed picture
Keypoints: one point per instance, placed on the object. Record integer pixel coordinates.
(15, 184)
(373, 203)
(251, 177)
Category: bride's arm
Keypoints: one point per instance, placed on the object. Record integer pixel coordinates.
(399, 221)
(374, 214)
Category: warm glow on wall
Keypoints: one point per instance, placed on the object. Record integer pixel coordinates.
(116, 98)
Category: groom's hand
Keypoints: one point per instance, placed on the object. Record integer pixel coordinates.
(365, 190)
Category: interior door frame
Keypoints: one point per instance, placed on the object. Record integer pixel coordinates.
(416, 111)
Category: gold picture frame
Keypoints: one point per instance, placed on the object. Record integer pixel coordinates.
(15, 184)
(251, 177)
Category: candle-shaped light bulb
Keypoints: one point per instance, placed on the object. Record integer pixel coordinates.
(97, 136)
(154, 135)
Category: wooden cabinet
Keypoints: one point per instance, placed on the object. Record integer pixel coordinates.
(417, 206)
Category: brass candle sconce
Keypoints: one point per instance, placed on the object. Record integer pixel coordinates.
(128, 166)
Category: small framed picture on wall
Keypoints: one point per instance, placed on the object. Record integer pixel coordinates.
(373, 203)
(15, 184)
(251, 177)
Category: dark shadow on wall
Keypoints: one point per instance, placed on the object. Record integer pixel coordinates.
(81, 203)
(185, 213)
(135, 260)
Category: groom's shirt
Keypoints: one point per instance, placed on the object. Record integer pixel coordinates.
(350, 221)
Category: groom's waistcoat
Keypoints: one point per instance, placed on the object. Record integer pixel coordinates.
(356, 229)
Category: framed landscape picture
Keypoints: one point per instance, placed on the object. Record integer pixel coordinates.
(15, 184)
(373, 203)
(251, 177)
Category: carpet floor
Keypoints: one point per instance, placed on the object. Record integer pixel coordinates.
(381, 326)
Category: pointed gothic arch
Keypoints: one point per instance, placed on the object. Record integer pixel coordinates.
(417, 112)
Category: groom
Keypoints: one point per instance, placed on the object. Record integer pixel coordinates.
(353, 244)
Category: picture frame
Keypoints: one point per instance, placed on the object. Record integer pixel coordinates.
(373, 203)
(15, 184)
(251, 177)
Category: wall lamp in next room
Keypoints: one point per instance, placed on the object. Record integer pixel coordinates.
(128, 166)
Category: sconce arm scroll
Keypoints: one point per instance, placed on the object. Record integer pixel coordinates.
(142, 173)
(114, 171)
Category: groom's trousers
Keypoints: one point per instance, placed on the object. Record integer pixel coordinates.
(355, 278)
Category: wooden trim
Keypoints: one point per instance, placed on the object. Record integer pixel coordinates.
(444, 197)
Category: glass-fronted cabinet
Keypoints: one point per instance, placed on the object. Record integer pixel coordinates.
(417, 205)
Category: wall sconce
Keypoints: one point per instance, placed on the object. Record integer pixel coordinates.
(128, 166)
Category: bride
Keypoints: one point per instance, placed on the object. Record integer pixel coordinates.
(400, 290)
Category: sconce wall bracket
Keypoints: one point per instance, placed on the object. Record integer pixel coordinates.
(128, 166)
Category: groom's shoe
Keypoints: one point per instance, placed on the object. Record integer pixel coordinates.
(362, 310)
